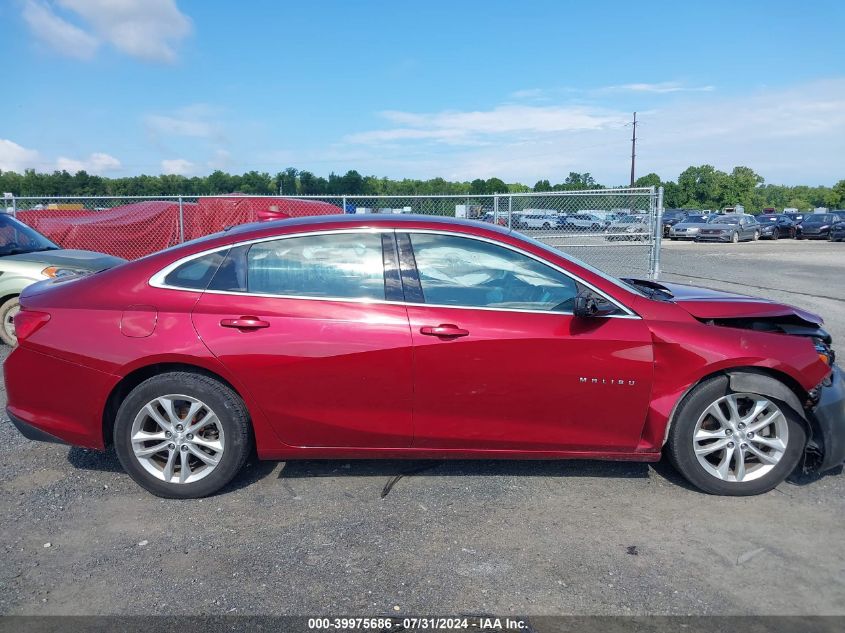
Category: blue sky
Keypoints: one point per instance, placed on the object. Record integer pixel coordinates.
(460, 89)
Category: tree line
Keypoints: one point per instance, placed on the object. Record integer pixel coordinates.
(701, 187)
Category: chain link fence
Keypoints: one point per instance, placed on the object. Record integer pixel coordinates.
(616, 230)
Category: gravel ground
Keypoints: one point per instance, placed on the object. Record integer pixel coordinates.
(318, 537)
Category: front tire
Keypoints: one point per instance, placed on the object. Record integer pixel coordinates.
(182, 435)
(735, 444)
(735, 238)
(8, 311)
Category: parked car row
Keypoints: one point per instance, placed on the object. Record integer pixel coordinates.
(743, 227)
(581, 222)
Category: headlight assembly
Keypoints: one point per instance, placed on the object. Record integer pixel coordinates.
(54, 272)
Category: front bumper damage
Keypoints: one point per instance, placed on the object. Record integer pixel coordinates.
(826, 448)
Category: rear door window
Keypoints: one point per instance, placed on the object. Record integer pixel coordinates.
(333, 265)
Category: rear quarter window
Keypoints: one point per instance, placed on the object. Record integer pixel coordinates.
(196, 273)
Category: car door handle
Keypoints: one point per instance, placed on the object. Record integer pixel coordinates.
(444, 330)
(245, 323)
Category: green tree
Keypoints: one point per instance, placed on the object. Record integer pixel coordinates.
(286, 182)
(351, 183)
(700, 186)
(649, 180)
(478, 187)
(495, 185)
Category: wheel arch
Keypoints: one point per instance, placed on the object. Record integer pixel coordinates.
(761, 380)
(9, 295)
(137, 376)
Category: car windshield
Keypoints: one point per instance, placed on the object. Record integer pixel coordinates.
(630, 219)
(819, 218)
(695, 219)
(766, 219)
(724, 219)
(16, 238)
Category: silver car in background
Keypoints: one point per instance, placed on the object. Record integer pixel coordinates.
(628, 227)
(689, 228)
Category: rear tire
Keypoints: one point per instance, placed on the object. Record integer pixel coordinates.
(728, 450)
(8, 311)
(200, 426)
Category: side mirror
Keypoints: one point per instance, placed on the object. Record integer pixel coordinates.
(586, 306)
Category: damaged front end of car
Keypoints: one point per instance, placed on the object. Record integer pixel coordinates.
(824, 406)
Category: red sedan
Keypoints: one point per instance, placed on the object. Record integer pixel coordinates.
(416, 337)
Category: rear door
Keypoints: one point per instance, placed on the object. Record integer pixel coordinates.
(304, 323)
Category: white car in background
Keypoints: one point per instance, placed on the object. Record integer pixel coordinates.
(628, 227)
(534, 219)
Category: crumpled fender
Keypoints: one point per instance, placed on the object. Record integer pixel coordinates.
(752, 382)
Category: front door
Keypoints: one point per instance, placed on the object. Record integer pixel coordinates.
(302, 322)
(500, 362)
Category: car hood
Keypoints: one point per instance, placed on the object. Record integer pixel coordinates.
(705, 303)
(72, 258)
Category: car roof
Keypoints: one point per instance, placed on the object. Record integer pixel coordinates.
(357, 220)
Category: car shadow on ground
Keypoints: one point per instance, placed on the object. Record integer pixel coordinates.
(86, 459)
(255, 470)
(460, 467)
(394, 470)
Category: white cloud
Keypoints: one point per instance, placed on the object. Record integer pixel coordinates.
(96, 163)
(221, 160)
(468, 128)
(657, 88)
(195, 121)
(14, 157)
(145, 29)
(177, 166)
(529, 94)
(175, 126)
(790, 136)
(57, 33)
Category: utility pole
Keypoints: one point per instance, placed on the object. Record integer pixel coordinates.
(633, 149)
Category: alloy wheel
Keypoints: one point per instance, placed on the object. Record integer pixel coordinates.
(740, 437)
(177, 439)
